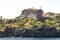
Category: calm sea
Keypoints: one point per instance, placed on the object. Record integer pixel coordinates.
(19, 38)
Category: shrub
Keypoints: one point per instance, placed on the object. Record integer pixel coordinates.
(34, 26)
(21, 24)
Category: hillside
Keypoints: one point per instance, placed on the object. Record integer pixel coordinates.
(31, 23)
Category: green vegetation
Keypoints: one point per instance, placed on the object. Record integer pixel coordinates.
(32, 23)
(2, 23)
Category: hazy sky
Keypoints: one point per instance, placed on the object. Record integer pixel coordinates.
(12, 8)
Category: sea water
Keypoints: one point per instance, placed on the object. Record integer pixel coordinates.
(20, 38)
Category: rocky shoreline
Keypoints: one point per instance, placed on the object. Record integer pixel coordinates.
(34, 32)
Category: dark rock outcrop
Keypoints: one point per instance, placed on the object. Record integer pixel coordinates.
(34, 32)
(28, 33)
(9, 32)
(18, 33)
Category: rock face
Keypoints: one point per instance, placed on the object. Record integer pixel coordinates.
(18, 33)
(31, 13)
(34, 32)
(28, 33)
(9, 32)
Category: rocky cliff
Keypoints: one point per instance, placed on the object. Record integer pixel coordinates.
(34, 32)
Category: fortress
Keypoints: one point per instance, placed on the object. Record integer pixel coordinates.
(32, 13)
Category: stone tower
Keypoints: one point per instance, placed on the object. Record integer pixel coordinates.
(39, 14)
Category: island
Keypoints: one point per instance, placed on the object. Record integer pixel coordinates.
(31, 23)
